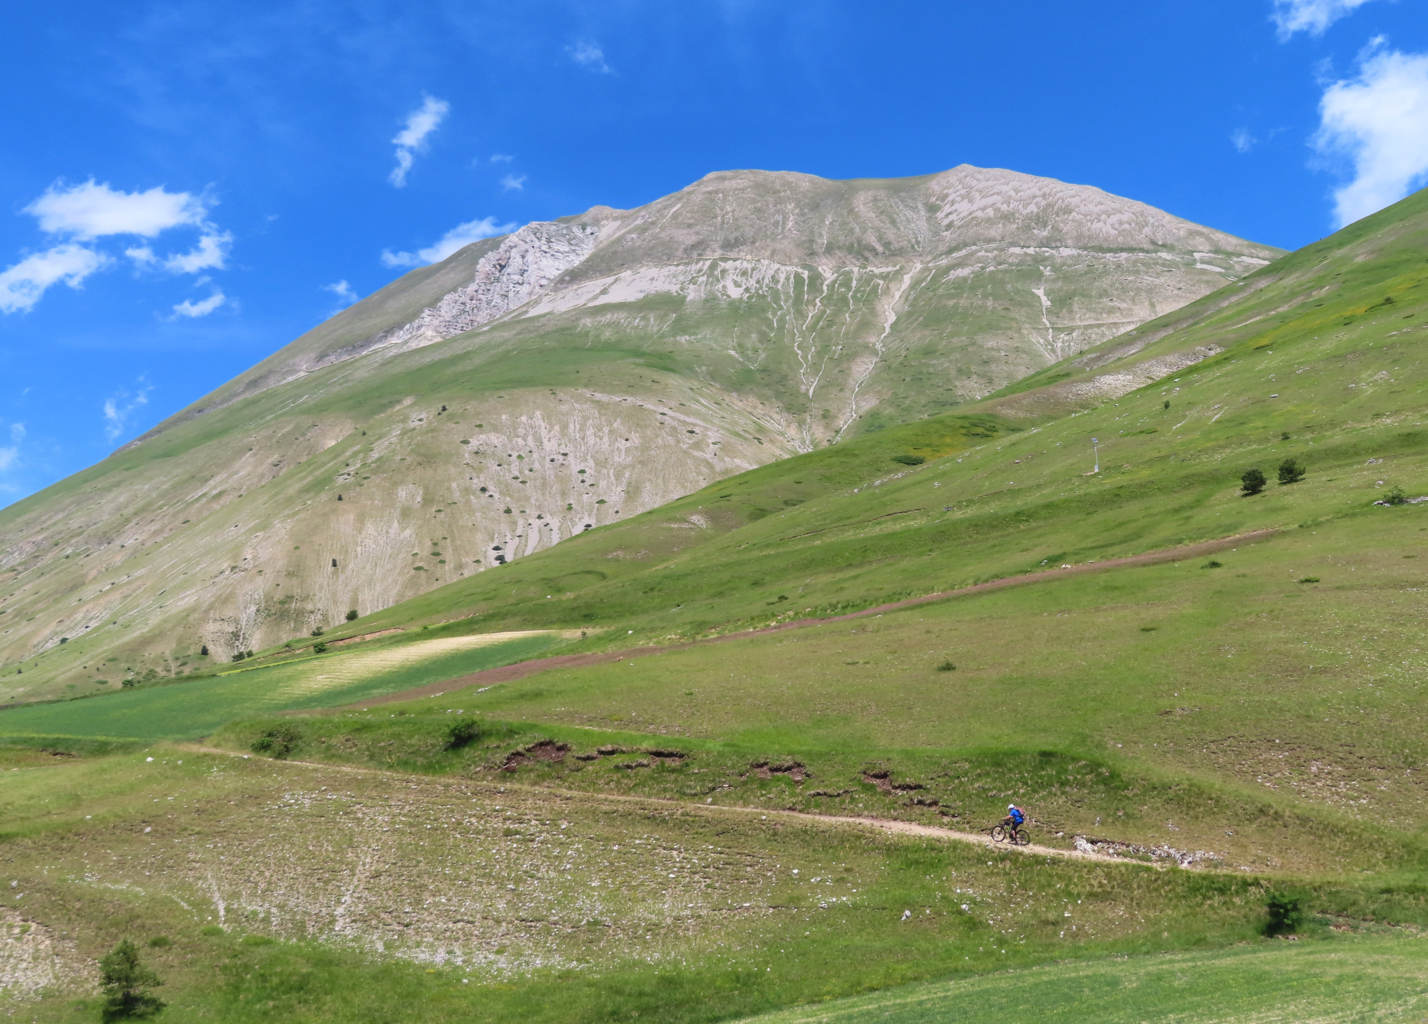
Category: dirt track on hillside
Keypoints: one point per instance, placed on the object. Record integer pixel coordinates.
(522, 669)
(906, 828)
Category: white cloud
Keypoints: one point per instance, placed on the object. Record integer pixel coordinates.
(589, 55)
(343, 291)
(501, 158)
(194, 310)
(1379, 123)
(88, 211)
(457, 238)
(1312, 16)
(412, 139)
(118, 409)
(512, 181)
(22, 285)
(1243, 140)
(9, 454)
(209, 254)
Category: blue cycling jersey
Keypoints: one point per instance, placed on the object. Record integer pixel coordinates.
(1016, 816)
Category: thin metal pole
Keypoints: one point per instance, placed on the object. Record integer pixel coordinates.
(1096, 447)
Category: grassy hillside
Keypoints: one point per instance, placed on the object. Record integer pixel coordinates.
(664, 822)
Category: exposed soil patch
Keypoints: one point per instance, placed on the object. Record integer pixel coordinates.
(794, 770)
(882, 779)
(365, 636)
(546, 750)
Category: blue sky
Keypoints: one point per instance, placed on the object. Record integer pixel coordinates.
(189, 186)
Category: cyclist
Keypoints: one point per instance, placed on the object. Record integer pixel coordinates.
(1015, 818)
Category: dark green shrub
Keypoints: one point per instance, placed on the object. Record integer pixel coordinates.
(239, 656)
(463, 734)
(125, 982)
(316, 632)
(1165, 404)
(1290, 472)
(319, 647)
(203, 651)
(1396, 497)
(352, 615)
(910, 460)
(1252, 482)
(1213, 564)
(277, 743)
(160, 942)
(1286, 914)
(947, 666)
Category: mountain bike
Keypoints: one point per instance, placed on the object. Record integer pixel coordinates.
(1017, 836)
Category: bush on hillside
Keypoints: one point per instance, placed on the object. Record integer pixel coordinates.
(1290, 472)
(463, 734)
(1286, 914)
(319, 647)
(1395, 497)
(352, 615)
(126, 983)
(910, 460)
(316, 632)
(947, 666)
(277, 743)
(1252, 482)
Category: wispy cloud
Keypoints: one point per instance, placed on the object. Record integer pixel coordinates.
(1243, 140)
(1378, 123)
(412, 139)
(457, 238)
(121, 406)
(22, 284)
(588, 54)
(1312, 16)
(11, 452)
(501, 158)
(343, 291)
(513, 181)
(209, 254)
(194, 310)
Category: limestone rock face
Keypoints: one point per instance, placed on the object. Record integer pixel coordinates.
(567, 375)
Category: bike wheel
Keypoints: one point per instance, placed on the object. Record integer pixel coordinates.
(1020, 838)
(999, 834)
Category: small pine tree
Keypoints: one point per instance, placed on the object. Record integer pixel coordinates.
(352, 615)
(203, 651)
(126, 981)
(1252, 482)
(1290, 472)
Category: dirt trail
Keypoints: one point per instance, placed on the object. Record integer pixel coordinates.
(907, 828)
(520, 670)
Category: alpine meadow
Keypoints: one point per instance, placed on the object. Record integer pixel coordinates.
(646, 615)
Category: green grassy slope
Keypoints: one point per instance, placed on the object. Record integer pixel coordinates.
(1362, 980)
(1258, 713)
(286, 892)
(1269, 706)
